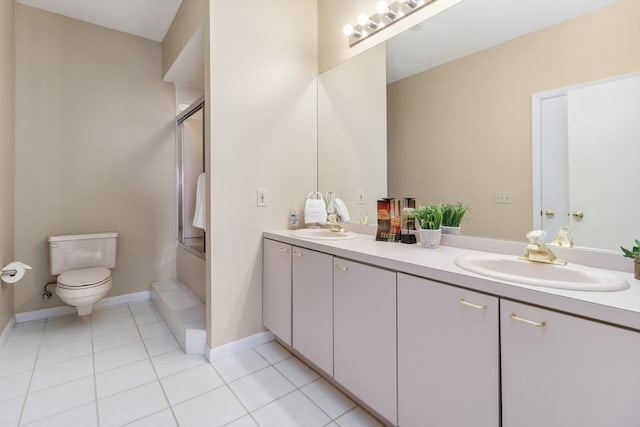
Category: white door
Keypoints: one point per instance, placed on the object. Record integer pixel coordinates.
(554, 175)
(604, 142)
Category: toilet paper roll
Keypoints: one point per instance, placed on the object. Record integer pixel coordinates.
(20, 269)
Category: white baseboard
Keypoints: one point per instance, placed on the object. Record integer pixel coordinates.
(45, 313)
(231, 348)
(4, 337)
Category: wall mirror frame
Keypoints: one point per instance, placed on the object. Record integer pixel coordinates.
(472, 141)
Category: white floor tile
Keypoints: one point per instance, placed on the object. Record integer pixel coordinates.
(141, 307)
(17, 363)
(115, 338)
(58, 399)
(292, 410)
(328, 398)
(85, 416)
(61, 372)
(124, 378)
(131, 405)
(261, 387)
(245, 421)
(332, 424)
(296, 371)
(160, 419)
(176, 361)
(148, 317)
(66, 329)
(273, 352)
(357, 418)
(24, 339)
(190, 314)
(190, 383)
(10, 411)
(119, 356)
(70, 350)
(153, 329)
(14, 385)
(212, 409)
(161, 344)
(239, 365)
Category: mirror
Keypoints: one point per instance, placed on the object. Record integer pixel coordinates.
(461, 129)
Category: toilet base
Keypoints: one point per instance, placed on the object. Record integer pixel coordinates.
(84, 310)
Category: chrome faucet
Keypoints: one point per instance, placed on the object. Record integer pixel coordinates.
(537, 251)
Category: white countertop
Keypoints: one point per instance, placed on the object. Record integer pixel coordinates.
(618, 307)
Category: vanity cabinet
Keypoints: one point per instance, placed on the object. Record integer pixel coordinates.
(312, 322)
(562, 370)
(448, 355)
(276, 288)
(365, 334)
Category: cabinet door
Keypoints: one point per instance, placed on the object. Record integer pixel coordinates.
(365, 334)
(313, 306)
(448, 356)
(560, 370)
(276, 289)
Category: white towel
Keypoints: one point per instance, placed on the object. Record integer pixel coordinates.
(315, 210)
(200, 217)
(341, 210)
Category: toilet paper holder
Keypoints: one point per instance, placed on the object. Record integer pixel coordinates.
(8, 273)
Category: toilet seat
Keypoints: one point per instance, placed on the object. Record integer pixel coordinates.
(84, 278)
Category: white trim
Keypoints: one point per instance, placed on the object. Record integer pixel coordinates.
(4, 337)
(234, 347)
(45, 313)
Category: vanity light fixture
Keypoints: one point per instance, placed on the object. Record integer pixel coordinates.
(385, 15)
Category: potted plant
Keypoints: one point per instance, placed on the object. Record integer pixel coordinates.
(428, 220)
(635, 254)
(452, 216)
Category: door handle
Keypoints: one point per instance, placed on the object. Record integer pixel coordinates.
(527, 321)
(549, 213)
(577, 215)
(472, 305)
(341, 267)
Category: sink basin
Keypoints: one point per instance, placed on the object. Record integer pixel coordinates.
(571, 276)
(322, 234)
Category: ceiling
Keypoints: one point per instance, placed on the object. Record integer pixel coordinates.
(145, 18)
(474, 25)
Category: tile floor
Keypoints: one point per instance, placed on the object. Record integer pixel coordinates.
(121, 366)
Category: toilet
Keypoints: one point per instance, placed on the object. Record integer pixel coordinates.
(83, 264)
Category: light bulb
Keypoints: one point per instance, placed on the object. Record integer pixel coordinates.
(382, 8)
(363, 19)
(348, 30)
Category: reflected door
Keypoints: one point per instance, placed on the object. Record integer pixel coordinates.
(604, 148)
(554, 175)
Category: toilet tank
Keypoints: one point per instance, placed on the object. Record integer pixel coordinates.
(75, 251)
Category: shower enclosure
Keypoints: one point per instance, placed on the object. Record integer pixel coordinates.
(190, 164)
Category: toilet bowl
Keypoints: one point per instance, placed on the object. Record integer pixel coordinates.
(83, 288)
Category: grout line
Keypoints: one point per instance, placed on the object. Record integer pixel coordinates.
(33, 370)
(153, 366)
(95, 379)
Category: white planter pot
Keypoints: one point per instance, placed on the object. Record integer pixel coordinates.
(429, 238)
(450, 230)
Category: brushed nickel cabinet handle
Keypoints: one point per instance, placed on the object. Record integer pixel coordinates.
(472, 305)
(341, 268)
(284, 250)
(527, 321)
(294, 253)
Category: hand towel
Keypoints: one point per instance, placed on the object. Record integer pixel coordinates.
(341, 210)
(314, 209)
(200, 216)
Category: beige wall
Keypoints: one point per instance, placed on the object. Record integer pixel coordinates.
(263, 65)
(189, 18)
(333, 46)
(466, 125)
(95, 149)
(7, 147)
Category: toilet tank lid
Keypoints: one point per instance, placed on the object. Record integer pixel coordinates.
(63, 237)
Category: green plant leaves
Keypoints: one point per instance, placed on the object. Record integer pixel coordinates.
(634, 252)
